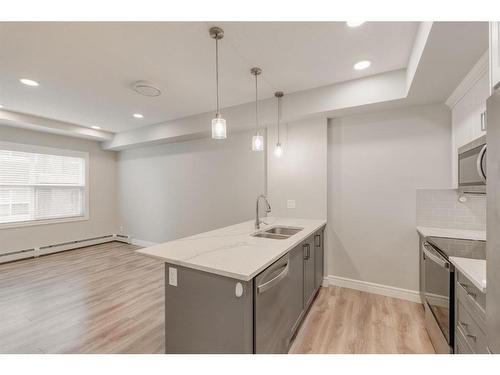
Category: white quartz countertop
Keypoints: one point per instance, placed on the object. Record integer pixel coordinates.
(473, 269)
(232, 251)
(464, 234)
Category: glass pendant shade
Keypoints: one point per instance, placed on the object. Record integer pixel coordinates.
(257, 142)
(218, 123)
(278, 150)
(219, 128)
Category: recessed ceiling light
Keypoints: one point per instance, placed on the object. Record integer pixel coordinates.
(28, 82)
(1, 106)
(138, 115)
(362, 65)
(95, 127)
(355, 23)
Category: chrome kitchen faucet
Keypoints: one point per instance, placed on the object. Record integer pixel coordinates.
(268, 209)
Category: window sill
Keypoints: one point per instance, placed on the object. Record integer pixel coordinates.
(21, 224)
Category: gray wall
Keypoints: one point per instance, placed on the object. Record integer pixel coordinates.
(175, 190)
(103, 188)
(300, 173)
(375, 164)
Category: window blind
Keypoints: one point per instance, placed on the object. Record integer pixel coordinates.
(40, 186)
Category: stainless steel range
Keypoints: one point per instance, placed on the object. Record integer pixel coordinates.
(439, 276)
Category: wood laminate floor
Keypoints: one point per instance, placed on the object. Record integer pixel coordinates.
(352, 322)
(107, 299)
(98, 299)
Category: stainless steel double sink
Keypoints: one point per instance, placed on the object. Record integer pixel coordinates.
(277, 233)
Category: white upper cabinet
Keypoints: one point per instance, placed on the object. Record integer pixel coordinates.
(468, 108)
(494, 56)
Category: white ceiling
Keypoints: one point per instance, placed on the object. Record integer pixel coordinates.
(85, 69)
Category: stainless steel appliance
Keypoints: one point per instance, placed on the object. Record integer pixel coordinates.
(472, 164)
(278, 303)
(493, 223)
(439, 286)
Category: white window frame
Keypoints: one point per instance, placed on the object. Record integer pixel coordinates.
(52, 151)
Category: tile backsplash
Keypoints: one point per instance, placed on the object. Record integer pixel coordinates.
(441, 208)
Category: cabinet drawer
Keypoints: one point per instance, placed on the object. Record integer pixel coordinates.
(472, 298)
(474, 336)
(461, 346)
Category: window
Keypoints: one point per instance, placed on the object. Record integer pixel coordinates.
(41, 185)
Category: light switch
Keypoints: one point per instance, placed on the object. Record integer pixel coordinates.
(290, 203)
(172, 276)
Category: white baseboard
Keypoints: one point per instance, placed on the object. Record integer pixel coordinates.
(143, 243)
(365, 286)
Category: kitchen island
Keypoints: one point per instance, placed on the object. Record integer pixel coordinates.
(239, 289)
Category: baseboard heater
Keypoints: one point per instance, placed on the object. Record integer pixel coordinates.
(55, 248)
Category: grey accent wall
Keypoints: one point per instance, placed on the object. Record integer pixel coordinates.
(103, 189)
(376, 163)
(440, 208)
(174, 190)
(300, 173)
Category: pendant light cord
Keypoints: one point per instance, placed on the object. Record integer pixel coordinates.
(279, 113)
(217, 114)
(256, 108)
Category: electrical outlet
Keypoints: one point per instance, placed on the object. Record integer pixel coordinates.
(172, 276)
(290, 203)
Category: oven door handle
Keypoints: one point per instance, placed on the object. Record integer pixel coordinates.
(435, 258)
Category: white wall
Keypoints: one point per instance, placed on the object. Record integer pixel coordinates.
(103, 188)
(466, 118)
(300, 173)
(375, 164)
(175, 190)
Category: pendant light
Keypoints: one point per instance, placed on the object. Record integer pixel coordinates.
(218, 123)
(257, 139)
(278, 149)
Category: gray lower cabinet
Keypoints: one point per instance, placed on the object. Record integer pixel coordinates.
(470, 317)
(421, 263)
(318, 259)
(208, 313)
(309, 270)
(204, 315)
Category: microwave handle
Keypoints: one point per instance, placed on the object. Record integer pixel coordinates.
(479, 163)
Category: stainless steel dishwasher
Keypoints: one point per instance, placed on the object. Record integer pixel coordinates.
(278, 292)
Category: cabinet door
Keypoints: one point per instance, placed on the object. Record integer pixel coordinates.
(318, 259)
(296, 301)
(421, 263)
(308, 254)
(494, 56)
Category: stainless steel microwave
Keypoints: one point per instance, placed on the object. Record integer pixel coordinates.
(472, 163)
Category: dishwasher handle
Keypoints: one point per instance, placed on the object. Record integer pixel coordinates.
(275, 280)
